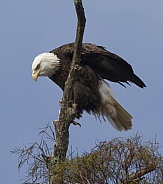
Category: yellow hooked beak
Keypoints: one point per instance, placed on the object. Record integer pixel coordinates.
(35, 74)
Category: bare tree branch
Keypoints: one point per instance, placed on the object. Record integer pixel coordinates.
(67, 113)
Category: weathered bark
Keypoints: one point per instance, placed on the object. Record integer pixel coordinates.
(67, 113)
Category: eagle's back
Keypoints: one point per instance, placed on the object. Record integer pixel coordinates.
(107, 64)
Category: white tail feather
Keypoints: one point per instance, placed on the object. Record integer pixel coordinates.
(119, 118)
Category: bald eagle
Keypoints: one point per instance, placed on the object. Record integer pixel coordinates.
(91, 92)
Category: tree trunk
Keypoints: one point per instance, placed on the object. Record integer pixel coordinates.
(67, 113)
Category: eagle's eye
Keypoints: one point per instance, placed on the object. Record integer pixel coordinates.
(38, 67)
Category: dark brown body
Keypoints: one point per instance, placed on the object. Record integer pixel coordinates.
(96, 63)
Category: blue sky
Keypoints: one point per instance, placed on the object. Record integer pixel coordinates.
(131, 29)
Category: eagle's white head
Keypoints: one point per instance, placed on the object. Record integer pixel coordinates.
(45, 64)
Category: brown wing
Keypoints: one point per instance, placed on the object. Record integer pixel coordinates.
(108, 65)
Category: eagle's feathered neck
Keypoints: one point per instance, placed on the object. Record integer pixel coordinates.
(45, 64)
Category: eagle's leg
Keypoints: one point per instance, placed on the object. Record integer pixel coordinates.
(74, 106)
